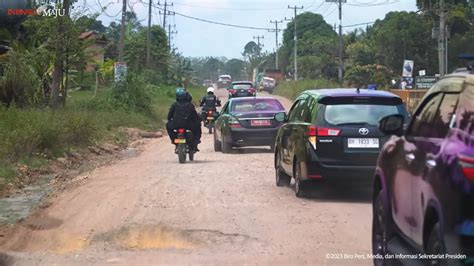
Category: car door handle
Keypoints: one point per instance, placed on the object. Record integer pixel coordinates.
(430, 163)
(410, 157)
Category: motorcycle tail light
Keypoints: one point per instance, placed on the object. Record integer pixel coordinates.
(181, 130)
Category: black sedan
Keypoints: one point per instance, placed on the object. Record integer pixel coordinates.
(242, 89)
(247, 121)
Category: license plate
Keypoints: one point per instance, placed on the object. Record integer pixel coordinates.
(362, 142)
(260, 123)
(179, 141)
(210, 118)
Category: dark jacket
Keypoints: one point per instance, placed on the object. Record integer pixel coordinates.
(183, 114)
(210, 101)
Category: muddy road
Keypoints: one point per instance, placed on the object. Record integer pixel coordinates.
(220, 209)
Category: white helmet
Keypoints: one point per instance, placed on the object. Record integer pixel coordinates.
(210, 89)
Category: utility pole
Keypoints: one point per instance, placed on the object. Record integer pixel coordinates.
(258, 42)
(122, 30)
(442, 43)
(335, 28)
(166, 12)
(276, 30)
(148, 37)
(341, 67)
(295, 38)
(341, 44)
(169, 34)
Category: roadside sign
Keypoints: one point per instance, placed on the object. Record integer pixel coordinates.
(120, 71)
(425, 82)
(407, 68)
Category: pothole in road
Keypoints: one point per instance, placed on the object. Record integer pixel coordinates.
(162, 237)
(147, 237)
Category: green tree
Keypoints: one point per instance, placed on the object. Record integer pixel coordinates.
(135, 49)
(404, 35)
(235, 68)
(251, 51)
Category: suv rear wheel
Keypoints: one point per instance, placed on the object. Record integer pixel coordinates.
(299, 184)
(282, 179)
(436, 245)
(381, 229)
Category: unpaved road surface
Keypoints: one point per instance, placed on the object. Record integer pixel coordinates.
(221, 209)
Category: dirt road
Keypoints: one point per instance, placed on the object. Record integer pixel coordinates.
(219, 209)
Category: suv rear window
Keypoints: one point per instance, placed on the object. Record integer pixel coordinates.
(242, 86)
(339, 114)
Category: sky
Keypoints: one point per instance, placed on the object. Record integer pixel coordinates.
(200, 39)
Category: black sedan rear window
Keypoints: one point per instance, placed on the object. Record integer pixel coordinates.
(370, 114)
(256, 105)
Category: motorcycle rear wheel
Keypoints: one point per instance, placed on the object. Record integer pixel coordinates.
(181, 153)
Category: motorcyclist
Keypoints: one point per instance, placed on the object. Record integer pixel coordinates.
(182, 114)
(209, 103)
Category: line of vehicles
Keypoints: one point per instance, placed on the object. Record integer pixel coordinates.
(421, 166)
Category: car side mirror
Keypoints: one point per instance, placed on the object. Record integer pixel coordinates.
(281, 117)
(392, 124)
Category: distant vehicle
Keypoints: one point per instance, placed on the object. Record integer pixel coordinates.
(224, 81)
(330, 133)
(424, 182)
(207, 83)
(267, 84)
(247, 121)
(276, 74)
(242, 89)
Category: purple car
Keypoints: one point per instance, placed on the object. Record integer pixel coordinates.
(423, 199)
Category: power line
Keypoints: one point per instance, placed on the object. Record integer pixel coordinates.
(383, 3)
(231, 8)
(217, 23)
(358, 24)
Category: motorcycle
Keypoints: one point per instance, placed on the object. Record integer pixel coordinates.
(182, 142)
(209, 120)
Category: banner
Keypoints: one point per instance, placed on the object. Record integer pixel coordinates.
(120, 71)
(407, 68)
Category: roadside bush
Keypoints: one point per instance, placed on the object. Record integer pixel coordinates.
(134, 93)
(19, 85)
(291, 89)
(25, 132)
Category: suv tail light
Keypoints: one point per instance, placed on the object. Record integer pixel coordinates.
(314, 131)
(467, 165)
(311, 134)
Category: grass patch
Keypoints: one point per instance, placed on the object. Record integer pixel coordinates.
(291, 89)
(28, 133)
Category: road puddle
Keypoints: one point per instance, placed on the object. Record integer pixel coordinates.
(18, 206)
(152, 237)
(69, 243)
